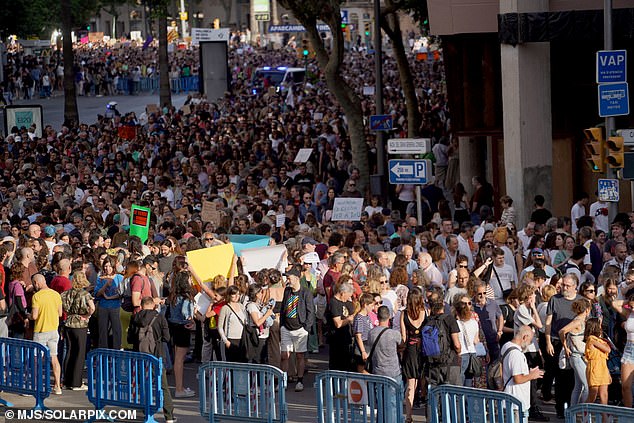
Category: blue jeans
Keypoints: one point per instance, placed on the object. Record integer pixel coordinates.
(580, 392)
(466, 381)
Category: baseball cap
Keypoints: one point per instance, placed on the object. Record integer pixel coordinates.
(49, 230)
(537, 251)
(293, 272)
(308, 240)
(540, 273)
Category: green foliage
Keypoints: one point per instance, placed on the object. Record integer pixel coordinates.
(27, 18)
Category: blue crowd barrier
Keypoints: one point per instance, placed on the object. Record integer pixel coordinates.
(125, 379)
(25, 368)
(598, 413)
(344, 397)
(242, 392)
(184, 84)
(448, 404)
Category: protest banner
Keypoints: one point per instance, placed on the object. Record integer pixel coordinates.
(211, 262)
(347, 209)
(256, 259)
(139, 222)
(303, 155)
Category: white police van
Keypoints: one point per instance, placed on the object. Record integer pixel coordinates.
(280, 77)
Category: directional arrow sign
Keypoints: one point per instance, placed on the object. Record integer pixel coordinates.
(408, 145)
(410, 171)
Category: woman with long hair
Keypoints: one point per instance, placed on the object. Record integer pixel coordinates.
(411, 324)
(78, 306)
(572, 337)
(469, 336)
(180, 304)
(259, 314)
(231, 322)
(108, 298)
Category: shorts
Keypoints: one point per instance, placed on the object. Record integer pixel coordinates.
(48, 339)
(181, 337)
(628, 353)
(293, 340)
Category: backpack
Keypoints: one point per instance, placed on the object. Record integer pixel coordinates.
(126, 292)
(495, 377)
(434, 341)
(147, 339)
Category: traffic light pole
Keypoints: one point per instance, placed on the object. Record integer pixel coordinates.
(610, 125)
(378, 98)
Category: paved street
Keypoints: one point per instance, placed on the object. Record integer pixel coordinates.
(90, 107)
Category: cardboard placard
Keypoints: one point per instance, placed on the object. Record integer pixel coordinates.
(303, 155)
(211, 262)
(347, 209)
(186, 110)
(210, 213)
(183, 211)
(152, 108)
(255, 259)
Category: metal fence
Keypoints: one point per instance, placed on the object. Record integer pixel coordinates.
(449, 404)
(126, 379)
(25, 368)
(127, 86)
(345, 397)
(597, 413)
(242, 392)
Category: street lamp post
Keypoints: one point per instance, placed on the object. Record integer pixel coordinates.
(378, 97)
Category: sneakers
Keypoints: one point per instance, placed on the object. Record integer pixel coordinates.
(299, 387)
(57, 390)
(187, 393)
(171, 421)
(79, 388)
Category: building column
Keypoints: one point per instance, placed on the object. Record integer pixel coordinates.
(527, 116)
(470, 166)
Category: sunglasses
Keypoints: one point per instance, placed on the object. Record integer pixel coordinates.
(590, 290)
(462, 266)
(481, 294)
(466, 302)
(209, 239)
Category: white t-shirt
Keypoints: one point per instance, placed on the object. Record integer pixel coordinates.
(515, 364)
(523, 316)
(506, 276)
(599, 212)
(468, 333)
(576, 212)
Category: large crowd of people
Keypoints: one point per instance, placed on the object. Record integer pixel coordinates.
(466, 297)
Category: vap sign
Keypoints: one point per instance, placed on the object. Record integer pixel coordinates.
(611, 66)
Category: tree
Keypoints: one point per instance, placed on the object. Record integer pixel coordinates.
(330, 62)
(390, 24)
(40, 22)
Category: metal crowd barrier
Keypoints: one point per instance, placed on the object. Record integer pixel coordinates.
(448, 404)
(177, 85)
(344, 397)
(125, 379)
(242, 392)
(25, 368)
(184, 84)
(597, 413)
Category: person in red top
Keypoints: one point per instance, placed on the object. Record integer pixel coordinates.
(335, 263)
(141, 287)
(61, 282)
(4, 330)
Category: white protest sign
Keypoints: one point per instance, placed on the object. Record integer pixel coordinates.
(347, 209)
(310, 258)
(202, 302)
(279, 220)
(368, 90)
(256, 259)
(303, 155)
(318, 116)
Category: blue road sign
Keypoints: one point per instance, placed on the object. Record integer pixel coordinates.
(609, 190)
(381, 122)
(614, 100)
(409, 171)
(611, 66)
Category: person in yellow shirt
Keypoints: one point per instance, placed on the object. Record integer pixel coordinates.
(45, 311)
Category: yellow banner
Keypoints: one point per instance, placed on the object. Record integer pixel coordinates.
(211, 262)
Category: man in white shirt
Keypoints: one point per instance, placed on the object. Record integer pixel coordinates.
(502, 276)
(466, 230)
(526, 234)
(426, 263)
(517, 375)
(599, 214)
(578, 210)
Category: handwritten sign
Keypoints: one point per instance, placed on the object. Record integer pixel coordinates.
(347, 209)
(210, 213)
(303, 155)
(280, 219)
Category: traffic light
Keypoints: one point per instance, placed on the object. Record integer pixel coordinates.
(305, 47)
(595, 149)
(615, 152)
(367, 29)
(343, 27)
(216, 23)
